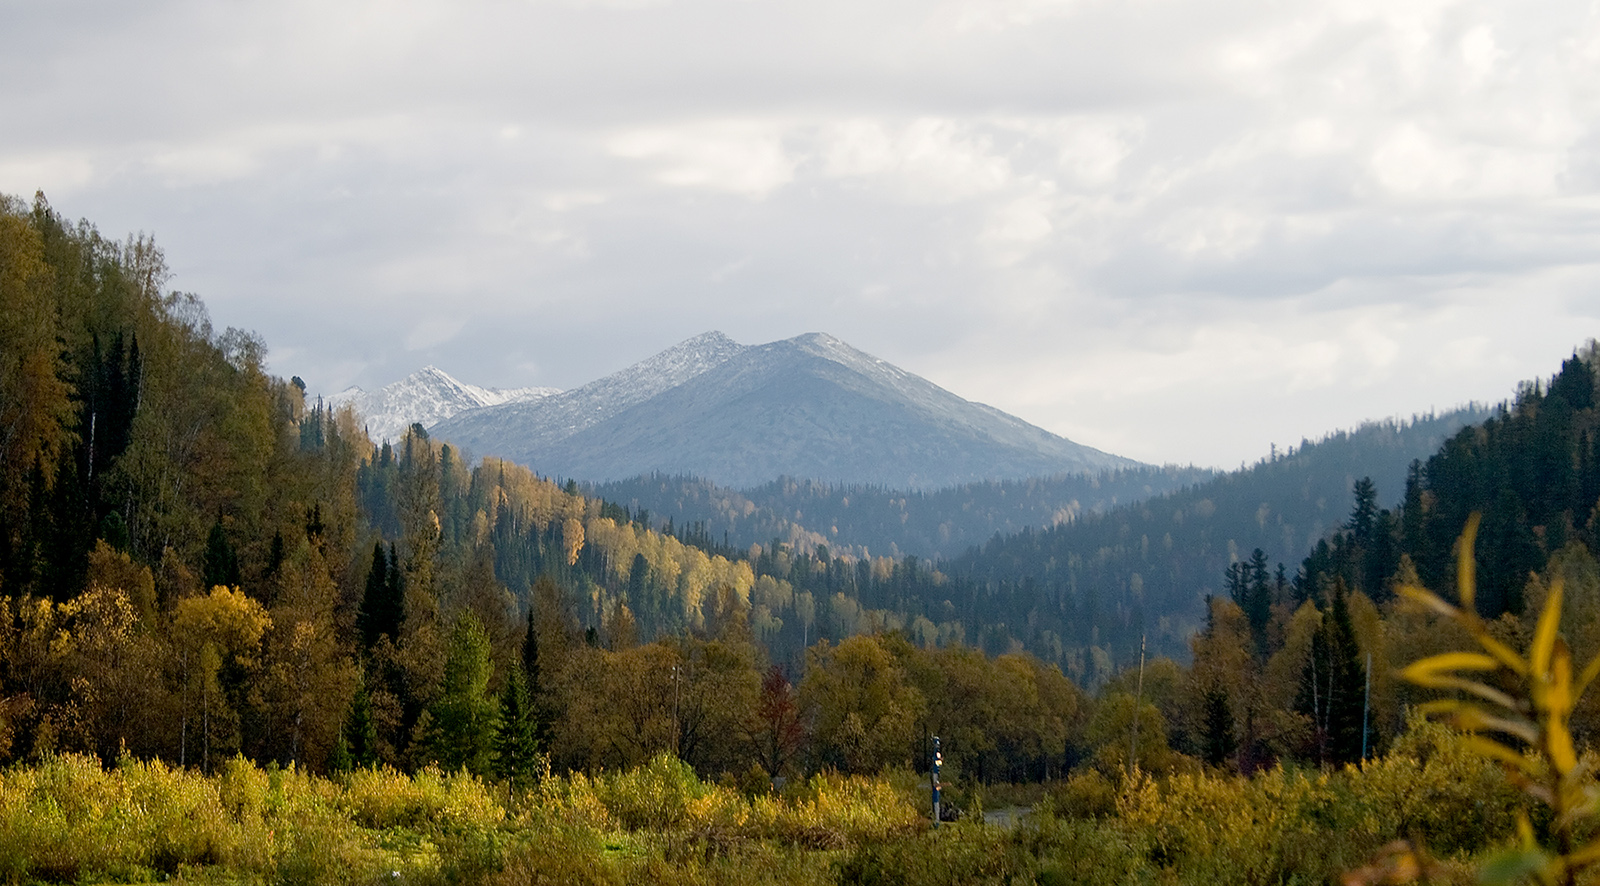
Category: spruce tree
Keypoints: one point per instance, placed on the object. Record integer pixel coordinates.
(1219, 740)
(1332, 686)
(360, 732)
(1249, 584)
(530, 655)
(339, 760)
(639, 583)
(1348, 697)
(221, 564)
(461, 731)
(516, 742)
(371, 620)
(1259, 608)
(383, 599)
(275, 557)
(1364, 515)
(530, 671)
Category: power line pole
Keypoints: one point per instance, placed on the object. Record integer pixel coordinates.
(1366, 707)
(1138, 701)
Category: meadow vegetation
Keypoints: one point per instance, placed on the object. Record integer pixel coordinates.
(69, 819)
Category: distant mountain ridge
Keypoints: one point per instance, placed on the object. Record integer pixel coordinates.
(426, 397)
(810, 406)
(859, 519)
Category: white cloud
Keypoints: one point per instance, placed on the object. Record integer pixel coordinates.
(1480, 53)
(435, 331)
(22, 174)
(962, 16)
(201, 164)
(1015, 229)
(738, 156)
(928, 160)
(1412, 162)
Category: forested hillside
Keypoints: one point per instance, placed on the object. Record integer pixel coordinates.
(1285, 664)
(150, 460)
(1532, 470)
(863, 520)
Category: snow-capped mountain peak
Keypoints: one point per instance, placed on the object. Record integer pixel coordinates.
(428, 396)
(809, 406)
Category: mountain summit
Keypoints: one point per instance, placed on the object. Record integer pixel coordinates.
(522, 431)
(810, 406)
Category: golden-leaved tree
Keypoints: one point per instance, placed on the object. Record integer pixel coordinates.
(865, 709)
(217, 637)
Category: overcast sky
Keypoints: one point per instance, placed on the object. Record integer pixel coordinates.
(1179, 231)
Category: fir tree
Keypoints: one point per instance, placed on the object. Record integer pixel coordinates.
(372, 619)
(383, 600)
(1364, 515)
(530, 671)
(530, 655)
(275, 557)
(1249, 585)
(638, 584)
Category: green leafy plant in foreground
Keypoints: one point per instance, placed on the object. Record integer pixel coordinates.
(1516, 710)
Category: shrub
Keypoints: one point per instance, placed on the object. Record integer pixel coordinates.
(1084, 794)
(837, 810)
(384, 798)
(962, 853)
(558, 855)
(68, 818)
(1079, 852)
(659, 795)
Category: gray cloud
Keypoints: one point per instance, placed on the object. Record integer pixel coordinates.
(1258, 221)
